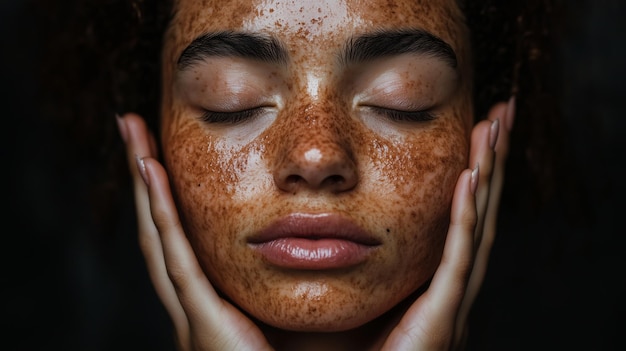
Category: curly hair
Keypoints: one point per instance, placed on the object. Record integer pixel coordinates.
(102, 58)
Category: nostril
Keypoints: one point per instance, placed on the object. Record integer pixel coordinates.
(293, 179)
(334, 179)
(339, 182)
(335, 182)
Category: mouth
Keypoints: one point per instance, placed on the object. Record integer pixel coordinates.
(314, 242)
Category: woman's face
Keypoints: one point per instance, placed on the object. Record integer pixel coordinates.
(313, 148)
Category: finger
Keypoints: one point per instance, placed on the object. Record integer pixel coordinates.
(138, 141)
(449, 282)
(502, 152)
(138, 146)
(506, 113)
(201, 303)
(429, 322)
(484, 138)
(493, 202)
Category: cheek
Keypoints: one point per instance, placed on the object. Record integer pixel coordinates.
(202, 182)
(217, 188)
(422, 169)
(420, 174)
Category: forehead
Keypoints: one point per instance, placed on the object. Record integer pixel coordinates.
(325, 23)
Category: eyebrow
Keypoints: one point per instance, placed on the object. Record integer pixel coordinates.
(358, 49)
(381, 44)
(233, 44)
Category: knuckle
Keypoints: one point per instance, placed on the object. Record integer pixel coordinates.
(178, 276)
(164, 221)
(468, 217)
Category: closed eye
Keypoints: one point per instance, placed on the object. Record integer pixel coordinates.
(216, 117)
(404, 116)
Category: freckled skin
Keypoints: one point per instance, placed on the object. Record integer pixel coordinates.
(395, 180)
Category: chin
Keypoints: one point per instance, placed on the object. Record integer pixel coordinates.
(336, 311)
(324, 301)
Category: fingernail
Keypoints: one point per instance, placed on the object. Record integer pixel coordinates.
(121, 125)
(493, 133)
(510, 114)
(141, 166)
(474, 180)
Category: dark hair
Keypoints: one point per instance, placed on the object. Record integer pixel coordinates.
(103, 58)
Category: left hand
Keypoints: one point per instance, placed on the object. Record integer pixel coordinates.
(437, 320)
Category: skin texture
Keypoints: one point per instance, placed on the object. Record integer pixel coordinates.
(316, 149)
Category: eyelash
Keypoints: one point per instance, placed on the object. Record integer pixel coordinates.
(405, 116)
(230, 117)
(241, 116)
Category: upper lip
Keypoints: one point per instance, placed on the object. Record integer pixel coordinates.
(314, 226)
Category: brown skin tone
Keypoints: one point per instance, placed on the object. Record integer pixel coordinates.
(396, 179)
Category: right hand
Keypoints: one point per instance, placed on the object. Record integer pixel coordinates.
(202, 319)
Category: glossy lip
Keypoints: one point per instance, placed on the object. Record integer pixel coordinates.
(313, 242)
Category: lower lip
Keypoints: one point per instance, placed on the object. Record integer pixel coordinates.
(308, 254)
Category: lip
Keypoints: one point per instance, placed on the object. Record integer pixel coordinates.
(313, 242)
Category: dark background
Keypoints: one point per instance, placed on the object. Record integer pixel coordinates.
(556, 280)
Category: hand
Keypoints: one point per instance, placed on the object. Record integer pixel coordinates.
(437, 320)
(202, 319)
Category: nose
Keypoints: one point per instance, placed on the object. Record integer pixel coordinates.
(316, 156)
